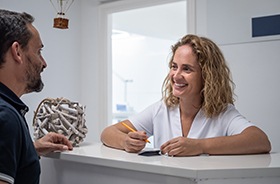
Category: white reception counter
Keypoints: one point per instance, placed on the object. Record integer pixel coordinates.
(96, 163)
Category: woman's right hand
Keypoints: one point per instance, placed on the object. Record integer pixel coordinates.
(135, 141)
(121, 137)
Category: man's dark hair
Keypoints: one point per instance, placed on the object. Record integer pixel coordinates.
(13, 28)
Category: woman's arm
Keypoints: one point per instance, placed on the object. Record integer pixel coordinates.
(119, 137)
(252, 140)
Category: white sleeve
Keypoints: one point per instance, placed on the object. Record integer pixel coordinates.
(237, 122)
(144, 120)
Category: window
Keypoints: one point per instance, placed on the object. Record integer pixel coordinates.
(140, 44)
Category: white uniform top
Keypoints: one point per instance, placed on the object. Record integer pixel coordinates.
(165, 123)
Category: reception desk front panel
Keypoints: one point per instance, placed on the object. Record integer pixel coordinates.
(96, 163)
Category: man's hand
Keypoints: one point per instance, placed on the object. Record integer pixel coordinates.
(52, 142)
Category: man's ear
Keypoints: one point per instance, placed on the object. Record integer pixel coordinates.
(17, 52)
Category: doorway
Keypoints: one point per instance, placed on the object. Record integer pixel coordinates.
(140, 48)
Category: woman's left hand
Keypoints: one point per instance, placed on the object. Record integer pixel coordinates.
(182, 146)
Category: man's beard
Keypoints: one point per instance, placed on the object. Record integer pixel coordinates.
(37, 86)
(34, 81)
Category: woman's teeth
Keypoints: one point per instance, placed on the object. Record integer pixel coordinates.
(180, 85)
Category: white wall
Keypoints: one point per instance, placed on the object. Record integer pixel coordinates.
(254, 62)
(92, 69)
(61, 52)
(72, 70)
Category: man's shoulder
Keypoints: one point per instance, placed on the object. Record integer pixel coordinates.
(8, 114)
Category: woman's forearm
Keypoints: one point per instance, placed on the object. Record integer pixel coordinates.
(251, 141)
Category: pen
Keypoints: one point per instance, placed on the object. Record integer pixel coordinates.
(131, 129)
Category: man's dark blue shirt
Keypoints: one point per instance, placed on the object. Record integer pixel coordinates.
(19, 162)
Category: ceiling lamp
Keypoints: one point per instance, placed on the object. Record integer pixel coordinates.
(61, 7)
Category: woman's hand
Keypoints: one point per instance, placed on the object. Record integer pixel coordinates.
(182, 146)
(135, 141)
(119, 136)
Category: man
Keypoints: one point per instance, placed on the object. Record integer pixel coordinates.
(21, 63)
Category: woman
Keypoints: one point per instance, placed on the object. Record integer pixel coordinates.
(197, 113)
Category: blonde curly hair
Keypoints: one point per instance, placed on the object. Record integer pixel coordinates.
(217, 91)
